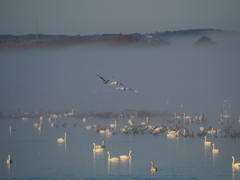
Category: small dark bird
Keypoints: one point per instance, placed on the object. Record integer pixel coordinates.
(104, 81)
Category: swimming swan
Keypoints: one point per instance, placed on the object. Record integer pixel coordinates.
(100, 146)
(112, 159)
(126, 157)
(236, 165)
(153, 169)
(60, 140)
(206, 142)
(97, 149)
(214, 150)
(9, 161)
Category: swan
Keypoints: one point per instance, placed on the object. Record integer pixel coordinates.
(237, 165)
(71, 113)
(108, 132)
(84, 119)
(126, 157)
(130, 122)
(153, 169)
(105, 81)
(9, 161)
(88, 127)
(176, 117)
(145, 123)
(112, 159)
(97, 149)
(214, 150)
(114, 125)
(206, 142)
(124, 88)
(100, 146)
(114, 83)
(63, 140)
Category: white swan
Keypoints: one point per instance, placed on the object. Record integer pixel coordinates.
(126, 157)
(214, 150)
(206, 142)
(100, 146)
(71, 113)
(236, 165)
(9, 161)
(112, 159)
(130, 122)
(153, 169)
(114, 125)
(145, 123)
(100, 149)
(108, 132)
(63, 140)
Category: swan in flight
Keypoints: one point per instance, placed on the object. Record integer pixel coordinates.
(112, 159)
(9, 161)
(214, 150)
(126, 157)
(115, 83)
(206, 142)
(153, 169)
(60, 140)
(237, 165)
(105, 81)
(100, 149)
(123, 88)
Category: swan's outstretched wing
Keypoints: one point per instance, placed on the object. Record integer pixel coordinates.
(101, 77)
(104, 80)
(131, 89)
(114, 83)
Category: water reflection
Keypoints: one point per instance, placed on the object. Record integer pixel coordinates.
(9, 169)
(235, 173)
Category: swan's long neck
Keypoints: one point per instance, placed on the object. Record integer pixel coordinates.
(233, 160)
(103, 143)
(9, 157)
(152, 164)
(108, 155)
(213, 146)
(130, 152)
(94, 146)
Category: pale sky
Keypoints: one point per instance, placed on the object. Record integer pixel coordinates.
(88, 17)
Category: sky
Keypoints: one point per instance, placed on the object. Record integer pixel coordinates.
(88, 17)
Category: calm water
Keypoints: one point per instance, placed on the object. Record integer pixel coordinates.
(37, 154)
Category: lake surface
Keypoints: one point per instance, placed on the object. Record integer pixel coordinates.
(36, 154)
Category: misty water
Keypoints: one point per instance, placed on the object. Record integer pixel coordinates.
(177, 78)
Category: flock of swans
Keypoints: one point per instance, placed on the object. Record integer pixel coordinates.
(120, 87)
(177, 128)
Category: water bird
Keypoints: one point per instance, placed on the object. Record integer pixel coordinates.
(206, 142)
(129, 156)
(105, 81)
(214, 150)
(130, 122)
(60, 140)
(100, 146)
(146, 122)
(112, 159)
(153, 169)
(9, 161)
(237, 165)
(97, 149)
(114, 125)
(114, 83)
